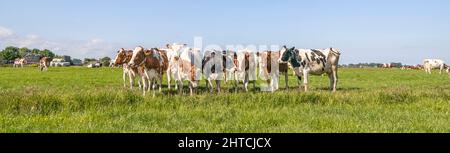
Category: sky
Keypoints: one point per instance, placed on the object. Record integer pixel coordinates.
(380, 31)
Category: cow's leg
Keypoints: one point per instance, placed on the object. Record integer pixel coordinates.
(286, 80)
(144, 85)
(218, 85)
(246, 83)
(160, 82)
(207, 84)
(124, 77)
(168, 78)
(236, 84)
(299, 81)
(176, 85)
(331, 78)
(131, 77)
(180, 89)
(305, 80)
(190, 88)
(140, 81)
(211, 87)
(335, 81)
(275, 82)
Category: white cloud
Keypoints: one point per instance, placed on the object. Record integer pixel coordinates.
(95, 47)
(5, 33)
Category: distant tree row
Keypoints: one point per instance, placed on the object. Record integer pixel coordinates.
(11, 52)
(361, 65)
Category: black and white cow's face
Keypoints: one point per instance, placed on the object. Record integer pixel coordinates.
(287, 54)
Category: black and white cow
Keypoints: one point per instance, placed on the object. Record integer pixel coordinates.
(313, 61)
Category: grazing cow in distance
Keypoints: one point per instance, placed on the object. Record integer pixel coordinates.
(313, 61)
(19, 61)
(44, 63)
(411, 67)
(122, 58)
(387, 65)
(430, 64)
(155, 63)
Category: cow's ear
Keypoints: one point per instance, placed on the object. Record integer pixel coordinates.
(292, 48)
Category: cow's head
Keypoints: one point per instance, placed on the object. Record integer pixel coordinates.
(138, 57)
(286, 54)
(335, 51)
(120, 57)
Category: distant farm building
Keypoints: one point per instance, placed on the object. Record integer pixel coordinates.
(61, 61)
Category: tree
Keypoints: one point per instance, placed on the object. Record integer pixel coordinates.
(24, 51)
(89, 60)
(10, 53)
(105, 61)
(35, 51)
(47, 53)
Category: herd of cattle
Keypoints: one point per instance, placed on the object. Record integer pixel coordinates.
(182, 63)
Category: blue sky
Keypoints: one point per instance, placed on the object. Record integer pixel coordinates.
(364, 31)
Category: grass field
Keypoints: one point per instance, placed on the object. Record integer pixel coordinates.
(78, 99)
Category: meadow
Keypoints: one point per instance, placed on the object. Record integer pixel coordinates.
(79, 99)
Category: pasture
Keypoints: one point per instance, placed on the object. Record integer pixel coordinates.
(78, 99)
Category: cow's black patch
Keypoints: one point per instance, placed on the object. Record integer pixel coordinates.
(299, 78)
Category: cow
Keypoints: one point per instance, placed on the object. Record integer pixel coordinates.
(19, 61)
(283, 68)
(430, 64)
(269, 70)
(213, 68)
(387, 65)
(122, 58)
(44, 63)
(313, 61)
(187, 66)
(245, 62)
(172, 50)
(448, 71)
(155, 63)
(411, 67)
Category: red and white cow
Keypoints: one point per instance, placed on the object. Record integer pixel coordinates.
(269, 70)
(44, 63)
(155, 63)
(122, 58)
(19, 61)
(187, 66)
(172, 50)
(246, 65)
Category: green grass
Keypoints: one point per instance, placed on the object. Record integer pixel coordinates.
(79, 99)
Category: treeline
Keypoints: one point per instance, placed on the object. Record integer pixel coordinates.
(375, 65)
(11, 53)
